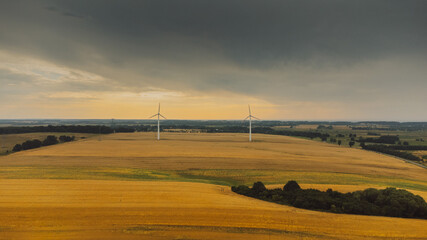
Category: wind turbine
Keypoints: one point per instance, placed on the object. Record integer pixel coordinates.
(158, 122)
(250, 123)
(113, 126)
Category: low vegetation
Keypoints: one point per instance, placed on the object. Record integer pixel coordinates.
(389, 202)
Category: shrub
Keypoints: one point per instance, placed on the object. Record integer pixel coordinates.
(291, 186)
(258, 187)
(30, 144)
(50, 140)
(64, 138)
(17, 148)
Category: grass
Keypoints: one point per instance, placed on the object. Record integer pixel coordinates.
(248, 177)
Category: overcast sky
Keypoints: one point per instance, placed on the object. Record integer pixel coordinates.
(291, 60)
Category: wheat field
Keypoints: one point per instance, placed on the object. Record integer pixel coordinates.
(93, 209)
(178, 151)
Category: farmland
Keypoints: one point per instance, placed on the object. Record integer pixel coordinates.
(128, 186)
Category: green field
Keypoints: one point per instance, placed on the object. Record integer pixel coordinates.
(227, 177)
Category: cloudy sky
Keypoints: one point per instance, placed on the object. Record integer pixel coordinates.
(291, 60)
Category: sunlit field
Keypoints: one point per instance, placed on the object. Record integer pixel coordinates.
(130, 186)
(181, 151)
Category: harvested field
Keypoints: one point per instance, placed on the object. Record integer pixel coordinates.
(89, 209)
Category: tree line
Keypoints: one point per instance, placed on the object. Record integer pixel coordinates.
(391, 151)
(389, 202)
(35, 143)
(388, 139)
(408, 147)
(60, 128)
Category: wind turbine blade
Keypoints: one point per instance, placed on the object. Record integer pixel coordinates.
(162, 116)
(249, 106)
(255, 118)
(153, 115)
(159, 108)
(245, 118)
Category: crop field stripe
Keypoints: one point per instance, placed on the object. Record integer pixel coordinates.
(226, 177)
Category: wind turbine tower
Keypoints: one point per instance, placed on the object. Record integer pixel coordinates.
(113, 126)
(158, 122)
(250, 122)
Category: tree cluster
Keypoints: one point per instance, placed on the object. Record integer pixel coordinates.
(29, 144)
(49, 140)
(390, 202)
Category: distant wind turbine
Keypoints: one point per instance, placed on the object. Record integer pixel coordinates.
(158, 122)
(113, 126)
(250, 123)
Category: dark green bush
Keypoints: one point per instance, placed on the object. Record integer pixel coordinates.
(30, 144)
(258, 187)
(17, 148)
(50, 140)
(64, 138)
(291, 186)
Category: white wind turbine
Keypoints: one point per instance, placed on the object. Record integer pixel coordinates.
(158, 122)
(250, 123)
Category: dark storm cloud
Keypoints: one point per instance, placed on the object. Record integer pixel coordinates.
(275, 50)
(254, 32)
(250, 33)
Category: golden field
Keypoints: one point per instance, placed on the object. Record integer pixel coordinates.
(129, 186)
(88, 209)
(180, 151)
